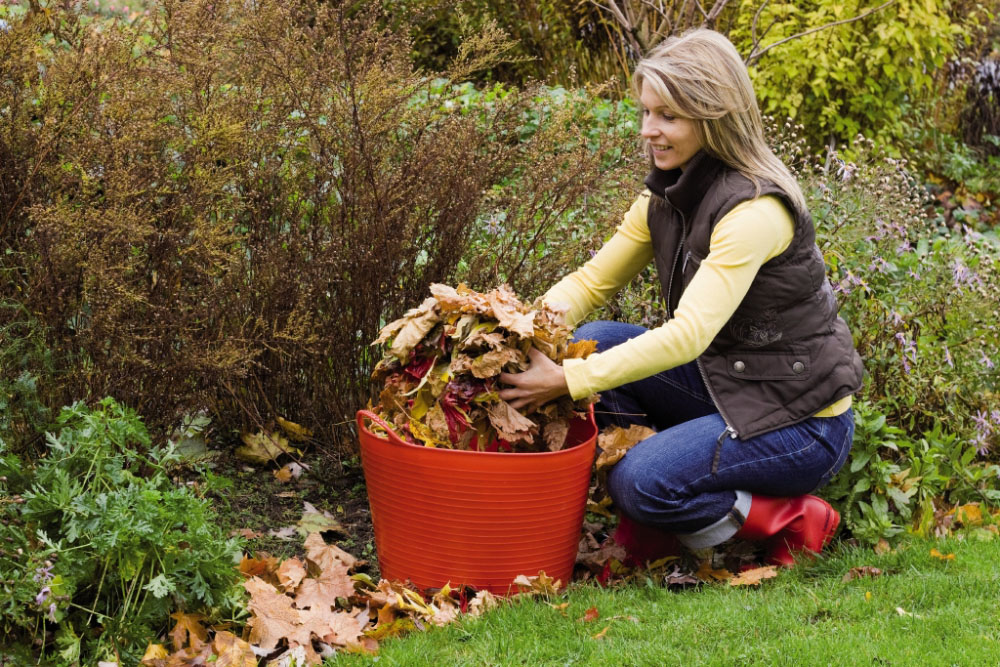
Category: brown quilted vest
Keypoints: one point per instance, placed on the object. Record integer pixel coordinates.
(784, 355)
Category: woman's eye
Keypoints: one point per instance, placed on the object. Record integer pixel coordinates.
(666, 116)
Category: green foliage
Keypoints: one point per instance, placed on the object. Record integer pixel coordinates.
(865, 76)
(99, 536)
(894, 482)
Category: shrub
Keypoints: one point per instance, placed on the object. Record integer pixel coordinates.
(97, 535)
(219, 208)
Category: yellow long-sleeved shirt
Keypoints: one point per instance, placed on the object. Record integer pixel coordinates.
(743, 240)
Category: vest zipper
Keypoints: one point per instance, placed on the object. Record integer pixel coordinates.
(704, 378)
(677, 256)
(670, 284)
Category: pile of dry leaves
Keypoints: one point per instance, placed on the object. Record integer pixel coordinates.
(441, 369)
(302, 611)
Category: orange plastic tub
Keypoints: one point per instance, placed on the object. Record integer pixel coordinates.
(475, 519)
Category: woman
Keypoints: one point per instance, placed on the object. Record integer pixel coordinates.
(749, 381)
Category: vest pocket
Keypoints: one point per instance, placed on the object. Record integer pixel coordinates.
(789, 363)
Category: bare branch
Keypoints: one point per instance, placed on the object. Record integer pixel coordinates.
(626, 25)
(714, 12)
(755, 55)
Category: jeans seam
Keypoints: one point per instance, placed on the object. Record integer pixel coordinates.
(769, 458)
(707, 400)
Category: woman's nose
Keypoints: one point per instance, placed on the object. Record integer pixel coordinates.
(648, 128)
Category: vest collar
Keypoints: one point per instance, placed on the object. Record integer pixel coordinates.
(685, 189)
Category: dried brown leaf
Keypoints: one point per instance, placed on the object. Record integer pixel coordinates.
(862, 571)
(232, 651)
(754, 576)
(509, 423)
(188, 631)
(555, 434)
(290, 573)
(272, 616)
(616, 441)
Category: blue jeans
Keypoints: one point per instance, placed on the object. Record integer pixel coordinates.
(692, 478)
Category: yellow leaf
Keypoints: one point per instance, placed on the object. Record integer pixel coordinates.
(600, 635)
(868, 596)
(969, 515)
(262, 447)
(154, 652)
(295, 432)
(882, 547)
(937, 554)
(283, 475)
(707, 573)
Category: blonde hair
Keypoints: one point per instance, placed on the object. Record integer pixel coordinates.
(700, 76)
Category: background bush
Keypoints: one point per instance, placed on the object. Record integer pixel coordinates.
(219, 208)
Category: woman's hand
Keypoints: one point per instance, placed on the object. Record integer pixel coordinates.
(542, 382)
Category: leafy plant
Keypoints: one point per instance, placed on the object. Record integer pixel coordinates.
(101, 537)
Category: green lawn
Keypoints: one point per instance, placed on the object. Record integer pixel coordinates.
(921, 611)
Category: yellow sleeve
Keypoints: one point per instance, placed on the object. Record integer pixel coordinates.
(746, 237)
(625, 254)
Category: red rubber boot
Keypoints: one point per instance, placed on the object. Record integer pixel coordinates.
(644, 543)
(790, 526)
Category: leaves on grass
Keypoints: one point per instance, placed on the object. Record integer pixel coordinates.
(590, 615)
(708, 573)
(940, 556)
(754, 576)
(541, 584)
(882, 547)
(441, 371)
(862, 571)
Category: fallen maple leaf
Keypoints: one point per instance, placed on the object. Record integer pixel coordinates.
(590, 615)
(482, 602)
(294, 431)
(542, 584)
(315, 521)
(325, 555)
(232, 651)
(263, 446)
(600, 635)
(937, 554)
(286, 533)
(323, 590)
(707, 573)
(615, 441)
(290, 573)
(154, 652)
(273, 617)
(882, 547)
(861, 571)
(188, 631)
(754, 577)
(679, 578)
(245, 533)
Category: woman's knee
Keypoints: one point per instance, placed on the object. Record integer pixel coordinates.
(639, 495)
(607, 333)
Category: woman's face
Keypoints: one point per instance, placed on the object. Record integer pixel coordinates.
(672, 141)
